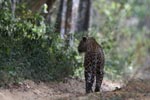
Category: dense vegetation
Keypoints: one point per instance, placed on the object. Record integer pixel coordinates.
(31, 49)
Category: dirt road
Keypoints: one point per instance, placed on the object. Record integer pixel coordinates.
(73, 89)
(69, 88)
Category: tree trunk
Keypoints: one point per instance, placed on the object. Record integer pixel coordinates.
(48, 15)
(84, 15)
(68, 17)
(64, 18)
(75, 6)
(59, 17)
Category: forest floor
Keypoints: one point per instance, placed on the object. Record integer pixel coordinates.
(73, 89)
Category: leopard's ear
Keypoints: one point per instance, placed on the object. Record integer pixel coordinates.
(84, 38)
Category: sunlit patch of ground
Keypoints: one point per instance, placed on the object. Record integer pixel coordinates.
(69, 88)
(134, 90)
(74, 89)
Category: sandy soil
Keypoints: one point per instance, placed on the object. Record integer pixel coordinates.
(69, 89)
(73, 89)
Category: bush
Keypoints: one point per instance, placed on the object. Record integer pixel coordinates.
(30, 49)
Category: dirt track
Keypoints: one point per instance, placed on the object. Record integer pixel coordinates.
(73, 89)
(69, 89)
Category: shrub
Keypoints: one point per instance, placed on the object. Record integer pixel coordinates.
(29, 49)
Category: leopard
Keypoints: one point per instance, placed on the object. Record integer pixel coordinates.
(94, 61)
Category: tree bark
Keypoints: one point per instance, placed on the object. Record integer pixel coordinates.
(64, 18)
(68, 17)
(75, 7)
(84, 15)
(59, 17)
(50, 4)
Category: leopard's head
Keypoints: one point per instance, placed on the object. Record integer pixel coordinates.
(88, 44)
(83, 45)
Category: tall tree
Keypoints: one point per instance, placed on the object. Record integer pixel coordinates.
(50, 4)
(75, 7)
(64, 17)
(68, 16)
(59, 17)
(73, 16)
(83, 16)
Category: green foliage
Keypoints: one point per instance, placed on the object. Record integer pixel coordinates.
(125, 44)
(122, 41)
(29, 49)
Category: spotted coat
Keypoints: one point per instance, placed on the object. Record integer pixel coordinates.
(93, 63)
